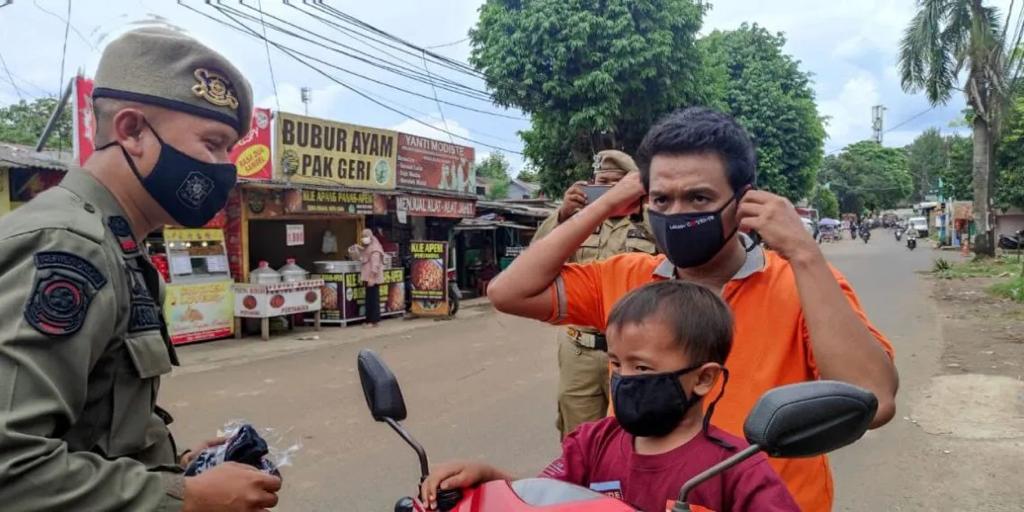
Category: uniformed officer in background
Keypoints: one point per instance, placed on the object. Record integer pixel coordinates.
(582, 357)
(82, 338)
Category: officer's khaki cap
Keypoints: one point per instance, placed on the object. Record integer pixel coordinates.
(611, 160)
(163, 67)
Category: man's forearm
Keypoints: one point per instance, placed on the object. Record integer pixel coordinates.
(843, 346)
(532, 272)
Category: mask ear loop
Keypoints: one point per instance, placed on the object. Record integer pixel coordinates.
(755, 238)
(711, 410)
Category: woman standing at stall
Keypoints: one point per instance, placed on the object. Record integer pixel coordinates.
(371, 254)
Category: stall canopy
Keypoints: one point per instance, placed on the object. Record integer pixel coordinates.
(484, 224)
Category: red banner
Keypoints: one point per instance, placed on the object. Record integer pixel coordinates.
(426, 206)
(431, 164)
(252, 153)
(84, 122)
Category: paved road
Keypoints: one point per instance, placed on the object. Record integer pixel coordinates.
(482, 387)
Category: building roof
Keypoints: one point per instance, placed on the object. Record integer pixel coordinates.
(13, 155)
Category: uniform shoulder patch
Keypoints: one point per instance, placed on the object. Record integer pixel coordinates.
(63, 289)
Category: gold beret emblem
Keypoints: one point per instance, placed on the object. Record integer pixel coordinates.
(214, 88)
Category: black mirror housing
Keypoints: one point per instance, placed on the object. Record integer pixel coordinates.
(810, 418)
(380, 387)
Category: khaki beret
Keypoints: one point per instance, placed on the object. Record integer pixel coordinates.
(164, 67)
(611, 160)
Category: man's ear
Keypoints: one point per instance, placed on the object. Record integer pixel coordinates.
(706, 377)
(127, 128)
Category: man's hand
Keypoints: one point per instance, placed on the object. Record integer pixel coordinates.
(573, 201)
(190, 455)
(231, 487)
(456, 475)
(625, 197)
(776, 220)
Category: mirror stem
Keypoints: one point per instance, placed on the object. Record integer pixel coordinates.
(747, 452)
(424, 466)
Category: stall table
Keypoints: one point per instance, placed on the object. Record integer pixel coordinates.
(265, 301)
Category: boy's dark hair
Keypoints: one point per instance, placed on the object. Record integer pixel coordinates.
(700, 320)
(700, 130)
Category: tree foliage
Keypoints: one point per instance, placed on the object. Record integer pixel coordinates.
(956, 174)
(1010, 158)
(826, 203)
(926, 159)
(23, 123)
(868, 177)
(592, 75)
(528, 175)
(765, 90)
(495, 168)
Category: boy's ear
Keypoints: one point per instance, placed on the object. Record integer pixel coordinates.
(706, 377)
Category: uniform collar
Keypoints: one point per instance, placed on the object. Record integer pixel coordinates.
(752, 265)
(83, 184)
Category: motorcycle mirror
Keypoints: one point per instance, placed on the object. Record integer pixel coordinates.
(380, 387)
(797, 420)
(810, 418)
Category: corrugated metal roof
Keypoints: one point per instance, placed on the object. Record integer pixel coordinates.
(18, 156)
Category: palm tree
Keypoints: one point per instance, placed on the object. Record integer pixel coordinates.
(946, 38)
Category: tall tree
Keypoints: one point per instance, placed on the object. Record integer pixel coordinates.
(868, 176)
(926, 159)
(943, 39)
(765, 90)
(592, 75)
(495, 168)
(825, 201)
(23, 123)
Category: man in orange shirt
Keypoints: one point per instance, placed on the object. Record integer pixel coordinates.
(796, 318)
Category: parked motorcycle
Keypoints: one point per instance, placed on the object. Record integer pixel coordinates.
(1012, 243)
(797, 420)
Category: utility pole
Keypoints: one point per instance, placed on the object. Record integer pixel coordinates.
(307, 97)
(877, 112)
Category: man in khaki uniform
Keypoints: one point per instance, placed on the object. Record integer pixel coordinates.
(83, 342)
(582, 358)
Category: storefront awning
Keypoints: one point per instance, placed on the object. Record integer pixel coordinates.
(489, 225)
(515, 209)
(14, 156)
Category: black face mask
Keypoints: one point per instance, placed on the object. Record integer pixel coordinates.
(189, 190)
(690, 239)
(653, 404)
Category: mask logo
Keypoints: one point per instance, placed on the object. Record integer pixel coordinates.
(195, 190)
(214, 88)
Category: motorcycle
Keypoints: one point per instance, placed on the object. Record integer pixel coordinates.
(1012, 243)
(911, 242)
(797, 420)
(865, 234)
(899, 234)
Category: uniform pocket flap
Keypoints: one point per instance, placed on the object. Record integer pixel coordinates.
(149, 354)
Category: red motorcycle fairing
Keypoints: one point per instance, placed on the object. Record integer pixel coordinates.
(534, 495)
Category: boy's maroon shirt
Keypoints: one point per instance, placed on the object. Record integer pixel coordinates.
(600, 455)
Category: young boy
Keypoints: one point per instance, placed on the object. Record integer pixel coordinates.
(667, 342)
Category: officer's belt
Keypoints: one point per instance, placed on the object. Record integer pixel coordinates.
(589, 340)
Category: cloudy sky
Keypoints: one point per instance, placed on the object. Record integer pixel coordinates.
(849, 46)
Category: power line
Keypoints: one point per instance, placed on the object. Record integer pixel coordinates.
(270, 64)
(345, 70)
(242, 27)
(65, 20)
(392, 67)
(10, 77)
(911, 118)
(445, 45)
(439, 109)
(63, 56)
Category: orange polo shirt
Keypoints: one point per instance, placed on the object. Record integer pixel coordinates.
(771, 344)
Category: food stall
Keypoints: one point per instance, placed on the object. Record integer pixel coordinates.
(198, 300)
(288, 292)
(344, 294)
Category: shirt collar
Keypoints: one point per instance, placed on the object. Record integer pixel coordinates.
(86, 186)
(753, 264)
